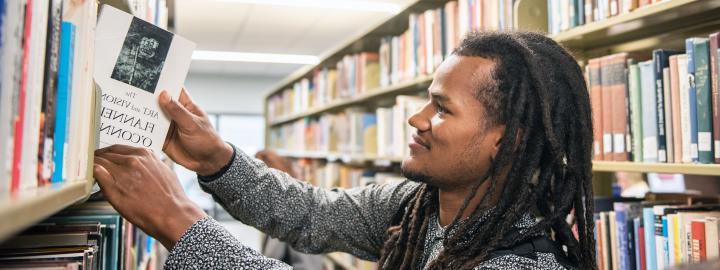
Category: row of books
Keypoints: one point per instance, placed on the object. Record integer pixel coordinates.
(355, 131)
(431, 36)
(329, 174)
(89, 236)
(46, 89)
(656, 233)
(662, 107)
(563, 15)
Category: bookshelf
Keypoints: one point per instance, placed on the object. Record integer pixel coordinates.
(665, 24)
(27, 207)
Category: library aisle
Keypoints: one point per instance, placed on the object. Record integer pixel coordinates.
(323, 90)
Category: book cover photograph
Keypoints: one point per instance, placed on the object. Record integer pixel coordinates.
(138, 60)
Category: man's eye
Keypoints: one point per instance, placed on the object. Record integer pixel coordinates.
(440, 109)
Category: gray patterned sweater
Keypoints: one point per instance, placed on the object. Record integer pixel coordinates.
(312, 220)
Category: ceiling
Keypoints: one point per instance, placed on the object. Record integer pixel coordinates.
(224, 25)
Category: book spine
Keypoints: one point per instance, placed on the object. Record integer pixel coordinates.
(649, 115)
(607, 109)
(666, 241)
(690, 51)
(701, 61)
(62, 113)
(649, 229)
(47, 122)
(622, 239)
(698, 241)
(675, 108)
(685, 119)
(714, 73)
(669, 136)
(659, 62)
(20, 122)
(711, 238)
(659, 239)
(636, 110)
(596, 106)
(618, 88)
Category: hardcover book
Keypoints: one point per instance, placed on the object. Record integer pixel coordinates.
(134, 62)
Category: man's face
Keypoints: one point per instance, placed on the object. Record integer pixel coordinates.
(453, 146)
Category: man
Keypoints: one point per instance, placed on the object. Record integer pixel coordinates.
(500, 158)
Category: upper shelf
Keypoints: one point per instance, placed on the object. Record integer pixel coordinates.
(406, 87)
(652, 20)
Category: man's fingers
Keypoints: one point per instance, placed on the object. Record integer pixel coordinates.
(176, 111)
(188, 103)
(118, 159)
(103, 177)
(109, 166)
(121, 149)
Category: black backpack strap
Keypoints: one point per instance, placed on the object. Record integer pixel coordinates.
(529, 248)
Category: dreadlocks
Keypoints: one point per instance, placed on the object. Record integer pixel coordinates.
(545, 153)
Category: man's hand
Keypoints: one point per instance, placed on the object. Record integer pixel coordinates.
(145, 191)
(192, 141)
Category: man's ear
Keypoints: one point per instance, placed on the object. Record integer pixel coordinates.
(497, 135)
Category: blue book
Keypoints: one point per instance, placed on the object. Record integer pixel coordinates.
(690, 51)
(62, 107)
(621, 223)
(649, 111)
(580, 11)
(665, 242)
(649, 225)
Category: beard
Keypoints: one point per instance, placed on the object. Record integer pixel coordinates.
(416, 176)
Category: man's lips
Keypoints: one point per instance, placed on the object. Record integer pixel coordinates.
(418, 140)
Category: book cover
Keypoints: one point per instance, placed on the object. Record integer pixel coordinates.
(62, 115)
(134, 62)
(606, 240)
(675, 108)
(715, 86)
(620, 210)
(18, 137)
(47, 113)
(618, 86)
(642, 250)
(701, 59)
(690, 51)
(635, 99)
(698, 240)
(637, 242)
(649, 112)
(658, 234)
(660, 61)
(649, 229)
(599, 246)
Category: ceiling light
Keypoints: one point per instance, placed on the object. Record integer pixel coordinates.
(255, 57)
(330, 4)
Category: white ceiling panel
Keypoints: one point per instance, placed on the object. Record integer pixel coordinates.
(230, 26)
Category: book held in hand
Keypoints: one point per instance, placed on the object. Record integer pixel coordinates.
(134, 62)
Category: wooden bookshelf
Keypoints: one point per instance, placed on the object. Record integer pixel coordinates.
(412, 86)
(25, 208)
(647, 21)
(694, 169)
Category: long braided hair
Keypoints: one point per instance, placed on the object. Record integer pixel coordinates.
(545, 152)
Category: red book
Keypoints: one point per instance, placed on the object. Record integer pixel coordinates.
(20, 120)
(607, 106)
(697, 232)
(641, 240)
(596, 101)
(599, 242)
(420, 45)
(714, 44)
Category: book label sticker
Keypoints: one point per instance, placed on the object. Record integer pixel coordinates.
(619, 141)
(650, 148)
(704, 141)
(607, 143)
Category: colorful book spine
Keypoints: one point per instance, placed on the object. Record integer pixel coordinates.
(690, 51)
(685, 107)
(47, 123)
(698, 241)
(714, 74)
(20, 122)
(62, 113)
(701, 59)
(660, 61)
(596, 99)
(675, 108)
(606, 80)
(649, 229)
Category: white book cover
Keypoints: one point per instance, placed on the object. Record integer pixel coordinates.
(685, 130)
(134, 62)
(668, 117)
(649, 117)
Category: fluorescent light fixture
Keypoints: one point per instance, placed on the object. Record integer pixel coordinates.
(352, 5)
(255, 57)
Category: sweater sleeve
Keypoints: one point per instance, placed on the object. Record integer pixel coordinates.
(310, 219)
(207, 245)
